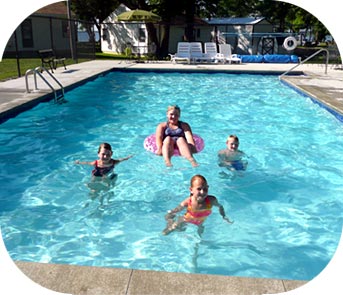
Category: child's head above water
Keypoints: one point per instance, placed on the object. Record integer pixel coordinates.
(232, 142)
(174, 108)
(198, 177)
(199, 187)
(106, 146)
(105, 151)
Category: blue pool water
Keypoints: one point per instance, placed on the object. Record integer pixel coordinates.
(287, 206)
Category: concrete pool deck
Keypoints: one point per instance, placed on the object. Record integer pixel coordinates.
(71, 279)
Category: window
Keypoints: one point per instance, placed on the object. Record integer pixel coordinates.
(26, 33)
(198, 33)
(105, 34)
(65, 28)
(141, 36)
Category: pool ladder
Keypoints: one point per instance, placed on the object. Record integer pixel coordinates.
(38, 71)
(310, 57)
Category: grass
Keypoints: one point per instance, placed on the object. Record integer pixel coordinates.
(9, 68)
(100, 55)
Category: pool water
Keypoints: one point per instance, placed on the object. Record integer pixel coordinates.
(287, 207)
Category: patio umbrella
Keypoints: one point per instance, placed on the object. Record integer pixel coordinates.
(138, 15)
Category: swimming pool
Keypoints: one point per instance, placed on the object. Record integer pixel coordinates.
(286, 206)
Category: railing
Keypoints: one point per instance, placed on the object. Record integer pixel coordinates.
(313, 55)
(39, 70)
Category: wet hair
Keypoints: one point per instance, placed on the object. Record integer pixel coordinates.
(174, 107)
(235, 137)
(198, 176)
(106, 146)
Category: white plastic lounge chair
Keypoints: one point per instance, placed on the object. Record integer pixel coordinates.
(197, 54)
(212, 53)
(183, 53)
(225, 50)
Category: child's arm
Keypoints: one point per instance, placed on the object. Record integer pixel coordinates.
(123, 159)
(221, 210)
(171, 213)
(169, 217)
(159, 137)
(223, 158)
(220, 159)
(222, 213)
(85, 163)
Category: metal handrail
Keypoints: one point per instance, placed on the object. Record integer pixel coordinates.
(38, 71)
(305, 60)
(30, 72)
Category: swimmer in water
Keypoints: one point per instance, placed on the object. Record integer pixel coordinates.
(175, 133)
(198, 207)
(231, 157)
(105, 165)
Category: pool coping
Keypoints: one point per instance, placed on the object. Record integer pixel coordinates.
(73, 279)
(317, 95)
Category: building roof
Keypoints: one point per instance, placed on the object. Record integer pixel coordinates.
(235, 21)
(59, 8)
(181, 20)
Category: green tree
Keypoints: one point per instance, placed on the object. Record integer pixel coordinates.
(286, 16)
(94, 11)
(302, 19)
(275, 11)
(151, 29)
(236, 8)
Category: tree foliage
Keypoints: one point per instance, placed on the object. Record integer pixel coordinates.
(285, 16)
(94, 11)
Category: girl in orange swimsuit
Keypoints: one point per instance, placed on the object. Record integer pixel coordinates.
(199, 206)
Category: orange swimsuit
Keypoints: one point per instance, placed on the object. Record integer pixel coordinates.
(198, 216)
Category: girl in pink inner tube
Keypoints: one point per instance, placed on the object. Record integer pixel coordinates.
(173, 133)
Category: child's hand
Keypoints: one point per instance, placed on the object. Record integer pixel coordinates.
(169, 215)
(228, 220)
(159, 151)
(126, 158)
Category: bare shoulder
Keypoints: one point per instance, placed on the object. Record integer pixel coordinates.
(185, 202)
(185, 126)
(162, 125)
(213, 200)
(222, 152)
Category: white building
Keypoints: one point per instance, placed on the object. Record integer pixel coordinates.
(246, 35)
(117, 36)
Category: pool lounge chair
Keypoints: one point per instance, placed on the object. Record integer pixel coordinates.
(183, 53)
(197, 54)
(225, 50)
(212, 53)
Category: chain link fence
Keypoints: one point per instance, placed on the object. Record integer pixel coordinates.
(69, 38)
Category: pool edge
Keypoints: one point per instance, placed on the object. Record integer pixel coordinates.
(73, 279)
(315, 97)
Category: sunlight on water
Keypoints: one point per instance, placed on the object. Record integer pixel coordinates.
(287, 206)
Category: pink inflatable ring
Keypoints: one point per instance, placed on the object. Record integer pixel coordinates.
(150, 144)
